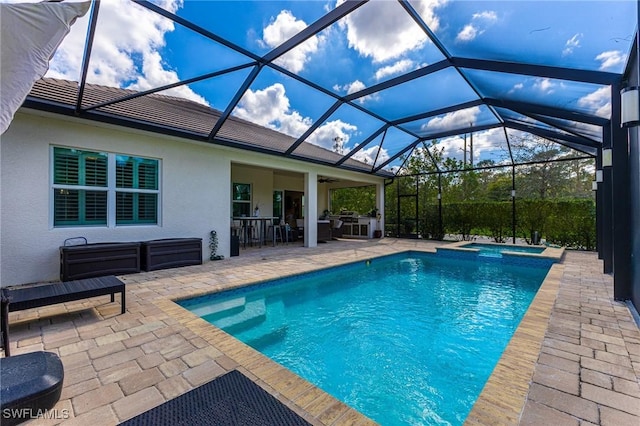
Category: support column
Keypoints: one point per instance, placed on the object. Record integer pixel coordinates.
(398, 207)
(311, 209)
(634, 175)
(380, 205)
(599, 206)
(440, 223)
(606, 188)
(513, 203)
(621, 200)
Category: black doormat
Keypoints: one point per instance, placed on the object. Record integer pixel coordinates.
(229, 400)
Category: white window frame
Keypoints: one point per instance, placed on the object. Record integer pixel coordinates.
(111, 190)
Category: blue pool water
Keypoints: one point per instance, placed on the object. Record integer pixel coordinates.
(405, 339)
(495, 250)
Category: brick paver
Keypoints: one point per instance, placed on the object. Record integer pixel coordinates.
(575, 358)
(609, 391)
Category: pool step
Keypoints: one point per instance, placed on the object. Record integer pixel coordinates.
(270, 338)
(209, 308)
(254, 312)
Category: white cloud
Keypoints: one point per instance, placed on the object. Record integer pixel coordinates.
(397, 68)
(488, 144)
(611, 59)
(516, 87)
(368, 155)
(282, 28)
(479, 22)
(382, 30)
(487, 15)
(126, 49)
(353, 87)
(270, 107)
(571, 44)
(598, 101)
(453, 147)
(326, 134)
(456, 119)
(544, 85)
(293, 124)
(468, 33)
(154, 75)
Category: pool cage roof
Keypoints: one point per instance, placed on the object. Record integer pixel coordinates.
(354, 84)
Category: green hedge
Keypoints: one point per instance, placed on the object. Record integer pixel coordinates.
(570, 223)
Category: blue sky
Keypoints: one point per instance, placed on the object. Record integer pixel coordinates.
(135, 48)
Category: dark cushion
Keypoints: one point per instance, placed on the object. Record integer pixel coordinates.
(29, 383)
(230, 400)
(27, 297)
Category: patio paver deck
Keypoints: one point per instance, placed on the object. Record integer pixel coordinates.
(575, 359)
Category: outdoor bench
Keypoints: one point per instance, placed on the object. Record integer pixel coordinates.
(26, 297)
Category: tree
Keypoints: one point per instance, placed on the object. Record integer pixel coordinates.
(499, 188)
(358, 199)
(545, 179)
(478, 201)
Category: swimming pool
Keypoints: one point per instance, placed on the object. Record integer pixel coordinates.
(497, 249)
(406, 339)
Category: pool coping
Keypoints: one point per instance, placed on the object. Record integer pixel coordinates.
(303, 397)
(120, 365)
(550, 253)
(505, 393)
(502, 397)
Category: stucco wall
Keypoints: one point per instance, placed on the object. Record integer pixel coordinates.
(189, 181)
(261, 181)
(265, 181)
(195, 189)
(288, 183)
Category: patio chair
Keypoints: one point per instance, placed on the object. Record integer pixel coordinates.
(300, 227)
(336, 230)
(31, 383)
(236, 228)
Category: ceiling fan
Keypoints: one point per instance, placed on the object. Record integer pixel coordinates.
(326, 180)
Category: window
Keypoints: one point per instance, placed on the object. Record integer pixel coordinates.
(278, 198)
(136, 190)
(100, 189)
(80, 187)
(241, 199)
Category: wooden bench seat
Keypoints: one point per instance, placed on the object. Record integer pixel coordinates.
(26, 297)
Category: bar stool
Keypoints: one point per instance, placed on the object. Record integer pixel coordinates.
(255, 232)
(287, 232)
(276, 231)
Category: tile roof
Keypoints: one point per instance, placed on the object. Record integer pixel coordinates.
(188, 118)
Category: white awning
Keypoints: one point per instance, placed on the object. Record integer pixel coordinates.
(30, 34)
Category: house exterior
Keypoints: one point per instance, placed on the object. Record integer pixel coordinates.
(64, 177)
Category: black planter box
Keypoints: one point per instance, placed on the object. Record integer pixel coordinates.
(170, 253)
(98, 259)
(235, 245)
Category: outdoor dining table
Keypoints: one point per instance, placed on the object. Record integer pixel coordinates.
(255, 222)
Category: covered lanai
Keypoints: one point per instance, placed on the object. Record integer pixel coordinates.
(195, 99)
(372, 82)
